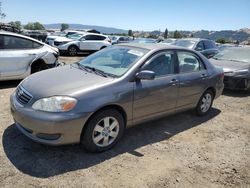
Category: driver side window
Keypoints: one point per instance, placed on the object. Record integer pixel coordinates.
(161, 65)
(200, 46)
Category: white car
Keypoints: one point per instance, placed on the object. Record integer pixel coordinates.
(20, 56)
(88, 42)
(60, 35)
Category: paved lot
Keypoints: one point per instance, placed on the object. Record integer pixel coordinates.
(178, 151)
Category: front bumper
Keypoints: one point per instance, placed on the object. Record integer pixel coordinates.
(48, 128)
(237, 83)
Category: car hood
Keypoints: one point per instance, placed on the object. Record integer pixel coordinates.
(63, 39)
(229, 66)
(66, 80)
(52, 37)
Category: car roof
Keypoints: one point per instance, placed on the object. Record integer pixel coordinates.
(19, 35)
(152, 46)
(87, 33)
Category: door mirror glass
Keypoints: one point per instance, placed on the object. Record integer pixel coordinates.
(199, 49)
(145, 75)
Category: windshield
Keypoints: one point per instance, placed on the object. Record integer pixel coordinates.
(184, 43)
(75, 36)
(114, 60)
(234, 54)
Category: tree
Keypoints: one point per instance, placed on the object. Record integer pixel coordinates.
(2, 15)
(34, 26)
(16, 24)
(166, 33)
(64, 26)
(221, 40)
(177, 34)
(130, 33)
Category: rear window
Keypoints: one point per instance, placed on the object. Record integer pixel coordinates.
(94, 37)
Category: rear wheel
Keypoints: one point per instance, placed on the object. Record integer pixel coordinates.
(103, 130)
(205, 103)
(72, 50)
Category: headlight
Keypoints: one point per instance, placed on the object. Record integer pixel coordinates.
(55, 104)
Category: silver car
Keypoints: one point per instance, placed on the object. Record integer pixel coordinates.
(20, 56)
(235, 62)
(93, 101)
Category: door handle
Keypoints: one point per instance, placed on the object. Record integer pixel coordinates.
(31, 54)
(173, 81)
(203, 76)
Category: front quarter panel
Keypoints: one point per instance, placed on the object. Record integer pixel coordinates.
(119, 93)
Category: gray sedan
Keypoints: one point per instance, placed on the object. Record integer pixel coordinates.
(235, 62)
(93, 101)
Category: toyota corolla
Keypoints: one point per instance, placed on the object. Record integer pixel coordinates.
(93, 101)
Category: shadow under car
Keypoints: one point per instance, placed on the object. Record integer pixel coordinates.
(45, 161)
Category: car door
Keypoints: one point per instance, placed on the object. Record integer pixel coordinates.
(90, 42)
(193, 78)
(158, 96)
(16, 54)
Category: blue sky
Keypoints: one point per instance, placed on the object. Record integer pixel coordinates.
(134, 14)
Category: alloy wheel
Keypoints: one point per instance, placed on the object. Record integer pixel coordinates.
(105, 131)
(72, 51)
(206, 102)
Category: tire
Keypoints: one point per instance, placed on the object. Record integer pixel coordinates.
(96, 137)
(72, 50)
(205, 103)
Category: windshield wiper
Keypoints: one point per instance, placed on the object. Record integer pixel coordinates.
(80, 66)
(96, 71)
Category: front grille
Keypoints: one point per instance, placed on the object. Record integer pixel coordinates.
(22, 96)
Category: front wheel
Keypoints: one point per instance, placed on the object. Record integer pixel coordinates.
(103, 130)
(72, 50)
(205, 103)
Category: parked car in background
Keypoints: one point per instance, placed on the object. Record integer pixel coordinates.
(9, 27)
(87, 43)
(62, 36)
(40, 35)
(93, 101)
(168, 41)
(50, 38)
(235, 62)
(222, 46)
(144, 40)
(21, 55)
(119, 39)
(207, 47)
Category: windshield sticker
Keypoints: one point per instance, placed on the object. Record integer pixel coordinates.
(135, 52)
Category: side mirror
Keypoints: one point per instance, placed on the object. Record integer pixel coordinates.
(199, 49)
(145, 75)
(82, 39)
